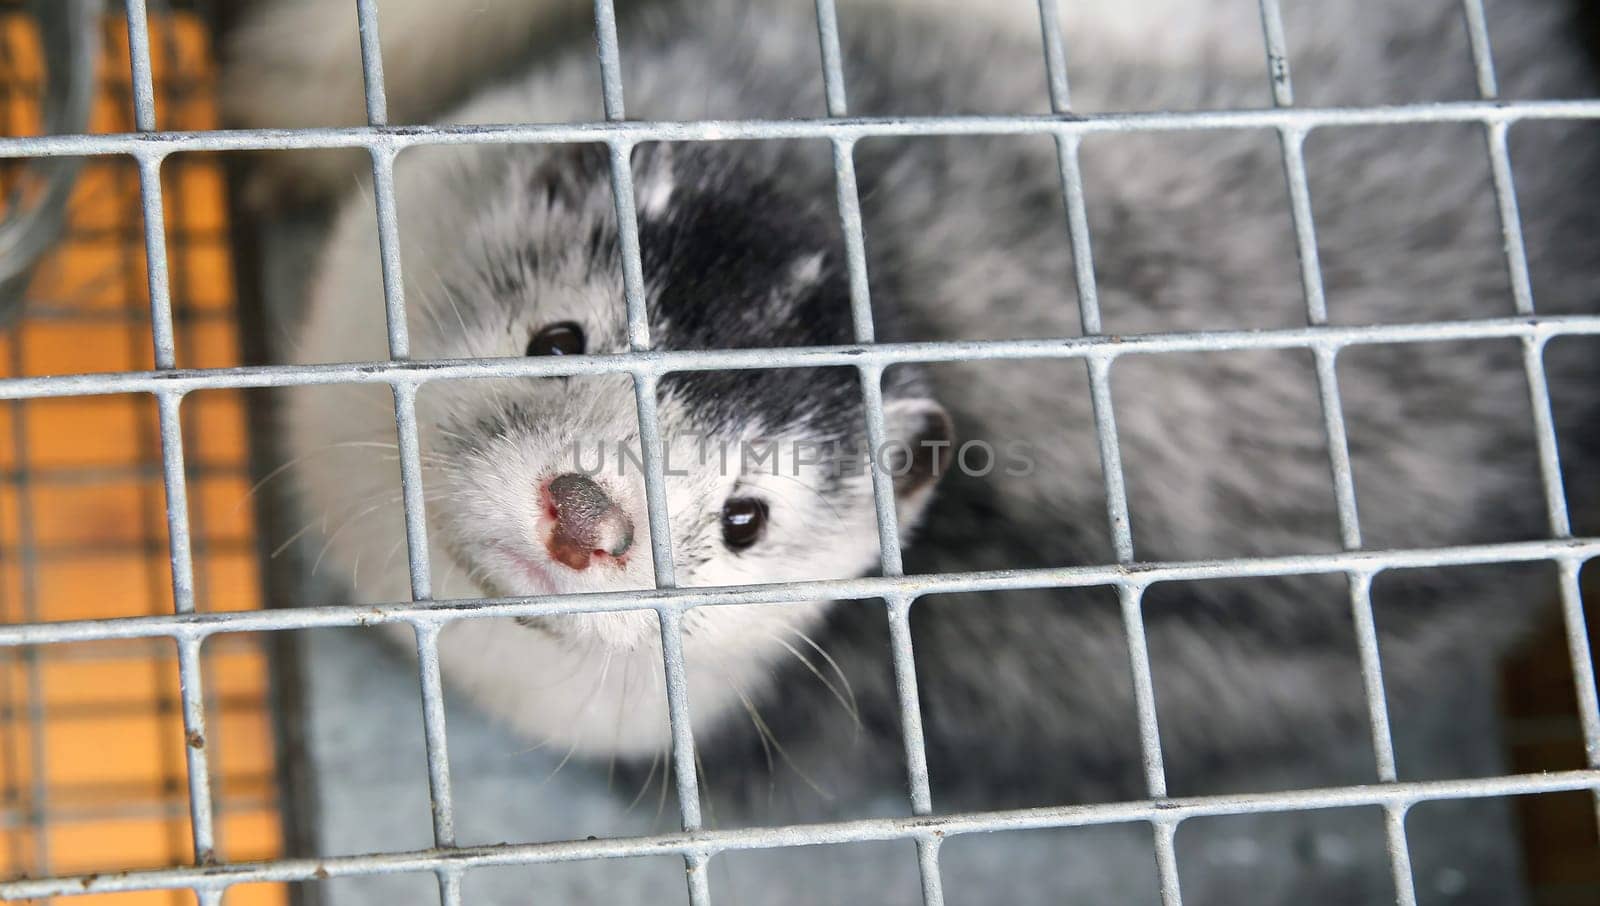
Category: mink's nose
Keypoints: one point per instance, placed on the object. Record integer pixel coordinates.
(588, 523)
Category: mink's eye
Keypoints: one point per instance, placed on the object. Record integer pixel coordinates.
(743, 521)
(565, 338)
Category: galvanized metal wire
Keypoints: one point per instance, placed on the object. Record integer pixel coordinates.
(1130, 577)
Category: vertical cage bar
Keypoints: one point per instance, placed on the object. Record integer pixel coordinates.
(1131, 599)
(883, 497)
(1055, 56)
(883, 500)
(434, 733)
(1516, 254)
(1482, 59)
(651, 448)
(683, 767)
(1544, 424)
(1069, 162)
(449, 882)
(1495, 133)
(1582, 658)
(698, 869)
(919, 787)
(1067, 155)
(628, 234)
(372, 62)
(1293, 141)
(855, 245)
(645, 400)
(394, 290)
(144, 92)
(192, 695)
(1505, 196)
(1574, 620)
(882, 482)
(684, 763)
(871, 376)
(1105, 424)
(1333, 426)
(176, 480)
(405, 395)
(178, 90)
(413, 494)
(1405, 885)
(1165, 834)
(436, 739)
(174, 477)
(832, 58)
(191, 685)
(928, 867)
(1277, 54)
(441, 801)
(1360, 585)
(905, 673)
(155, 252)
(179, 543)
(653, 453)
(605, 37)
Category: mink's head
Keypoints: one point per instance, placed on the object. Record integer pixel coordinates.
(536, 485)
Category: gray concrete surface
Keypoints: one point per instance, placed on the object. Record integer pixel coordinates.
(363, 726)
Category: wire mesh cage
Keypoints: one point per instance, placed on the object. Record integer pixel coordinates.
(197, 626)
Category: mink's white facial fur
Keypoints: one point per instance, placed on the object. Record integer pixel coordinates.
(1225, 453)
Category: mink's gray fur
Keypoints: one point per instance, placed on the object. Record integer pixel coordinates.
(1026, 695)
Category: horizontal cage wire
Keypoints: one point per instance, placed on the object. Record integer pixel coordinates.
(695, 844)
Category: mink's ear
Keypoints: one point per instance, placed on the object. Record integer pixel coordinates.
(568, 175)
(920, 429)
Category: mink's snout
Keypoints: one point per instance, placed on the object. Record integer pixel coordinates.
(587, 522)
